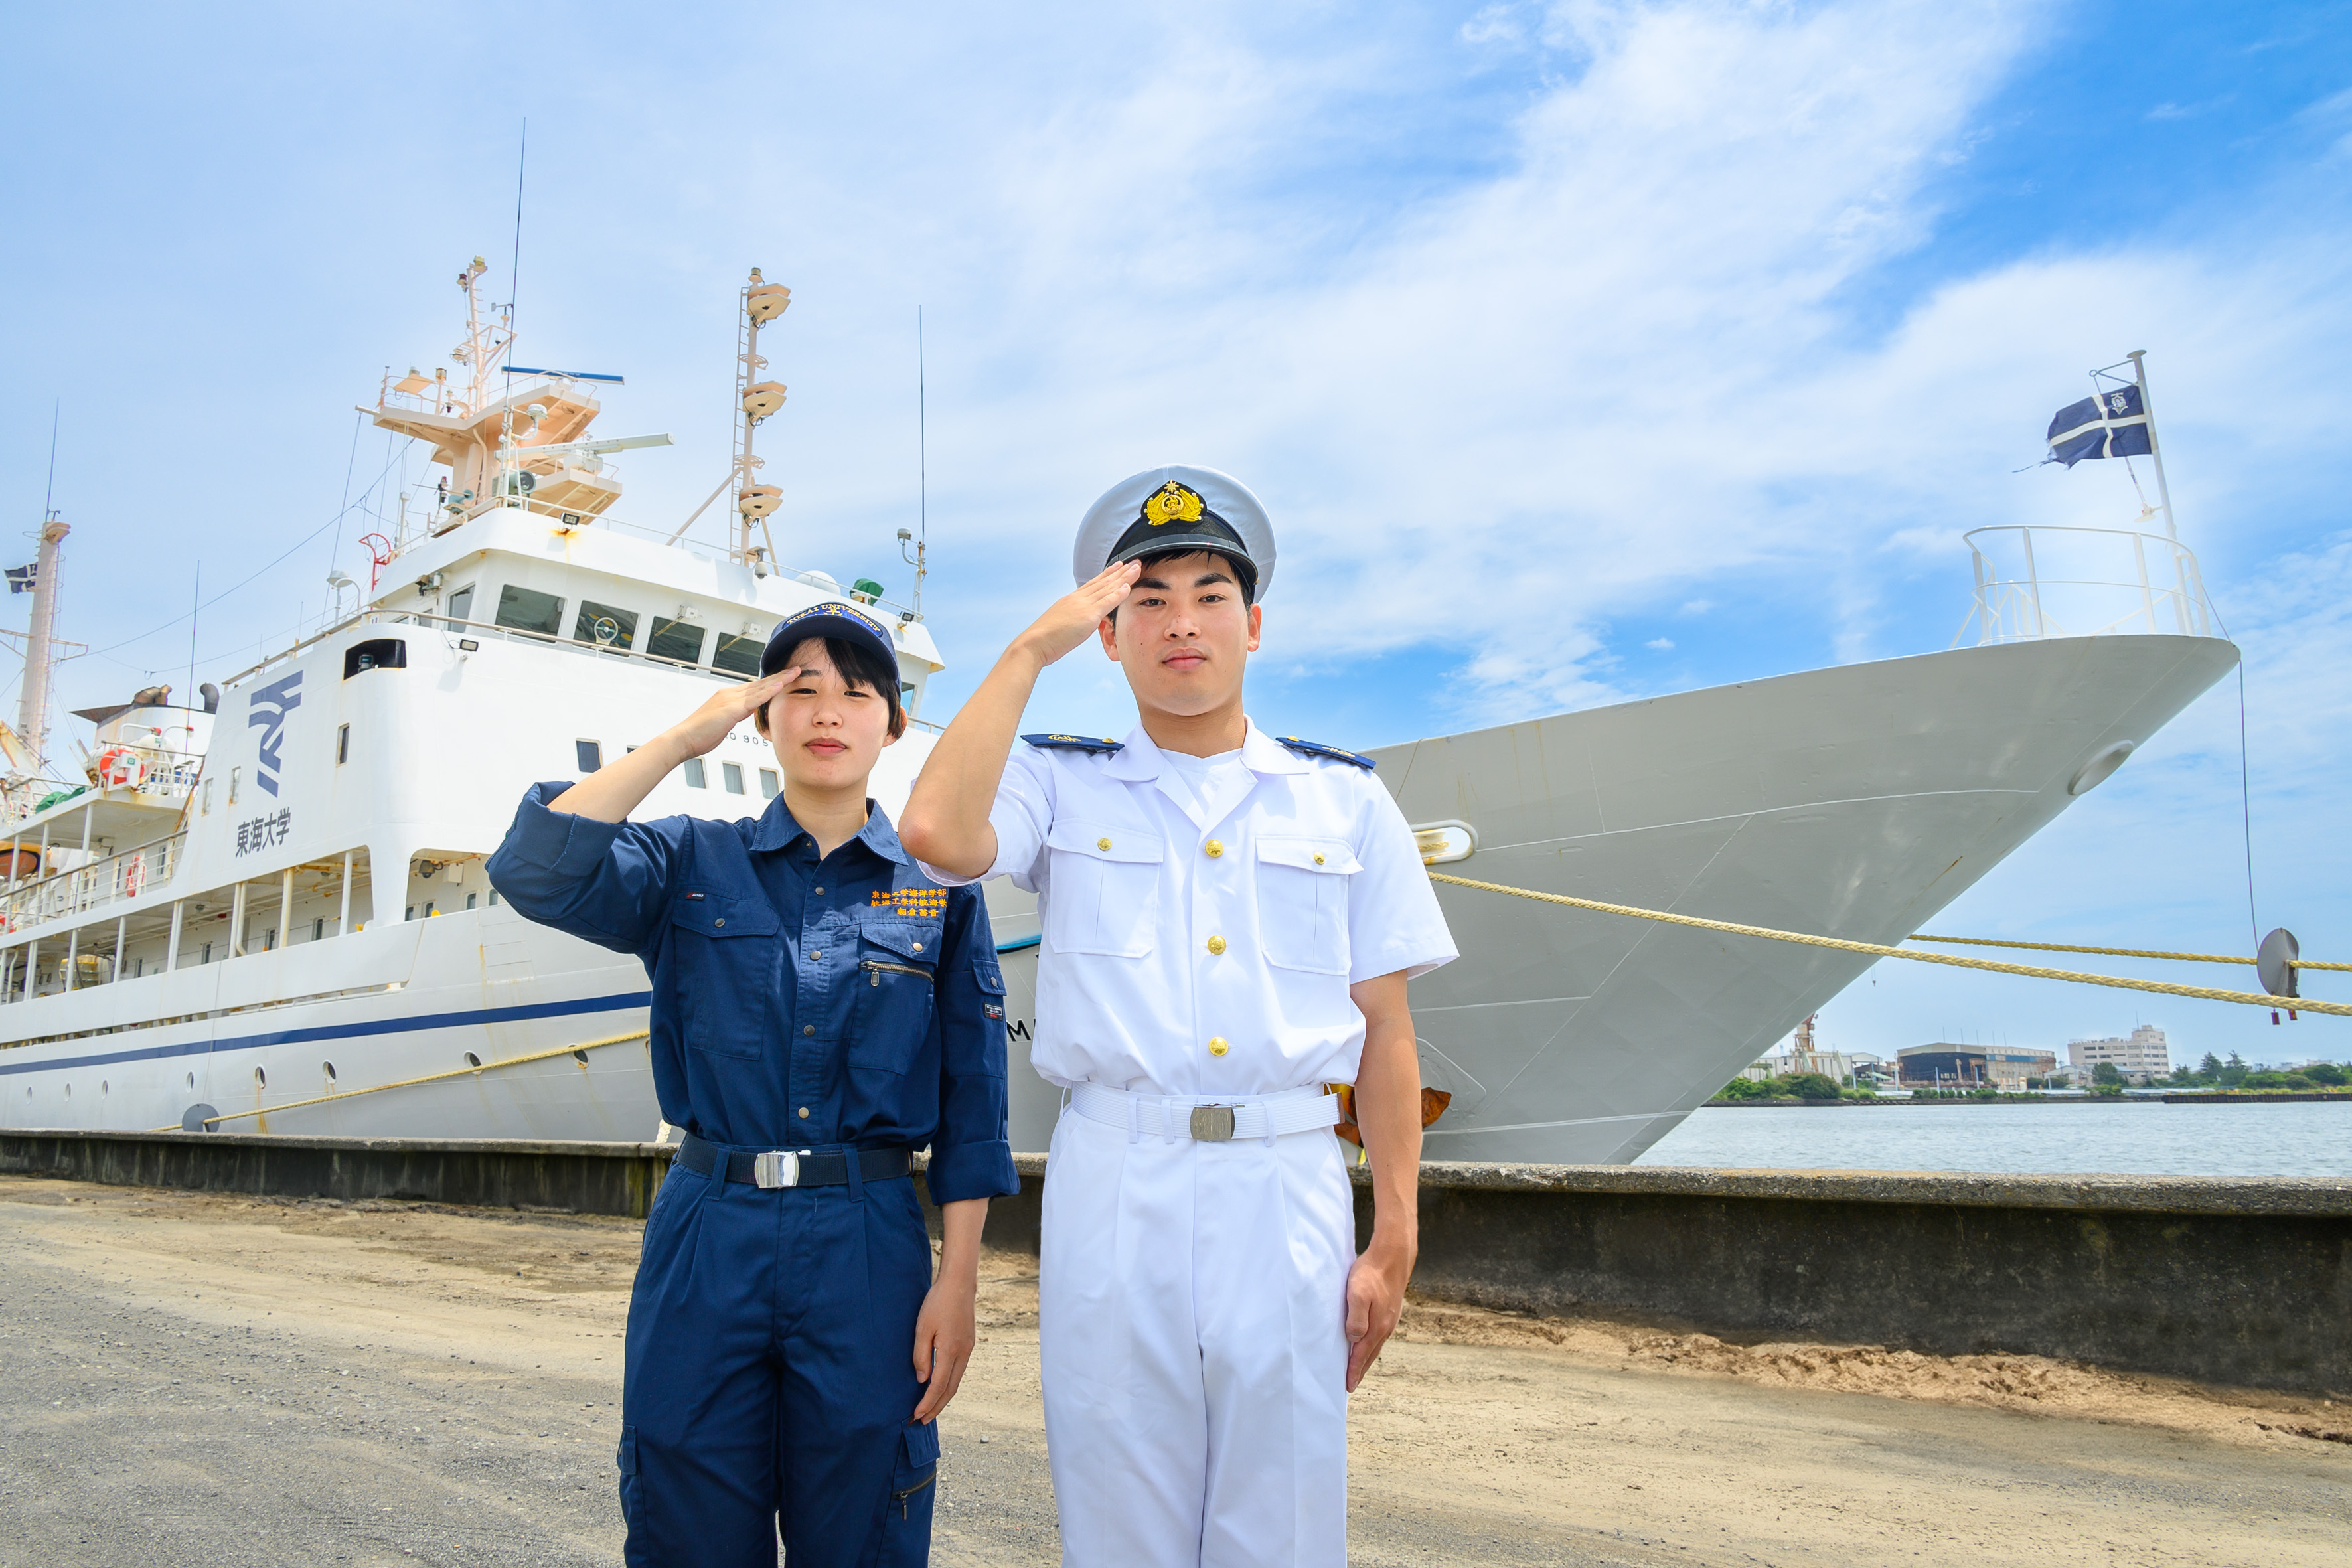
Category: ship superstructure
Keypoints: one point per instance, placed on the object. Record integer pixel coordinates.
(283, 900)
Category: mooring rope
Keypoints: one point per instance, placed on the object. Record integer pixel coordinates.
(2125, 952)
(428, 1077)
(2162, 988)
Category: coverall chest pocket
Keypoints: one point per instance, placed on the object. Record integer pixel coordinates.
(1102, 891)
(898, 968)
(725, 951)
(1302, 902)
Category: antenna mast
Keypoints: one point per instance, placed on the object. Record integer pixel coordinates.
(40, 645)
(757, 399)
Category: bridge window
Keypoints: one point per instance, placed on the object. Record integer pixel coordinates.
(461, 607)
(589, 754)
(768, 785)
(377, 653)
(693, 771)
(680, 640)
(733, 773)
(739, 656)
(604, 625)
(528, 610)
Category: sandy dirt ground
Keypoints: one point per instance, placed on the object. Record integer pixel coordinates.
(188, 1379)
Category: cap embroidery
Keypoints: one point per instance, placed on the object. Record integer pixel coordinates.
(1172, 503)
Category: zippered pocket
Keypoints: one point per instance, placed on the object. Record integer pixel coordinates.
(900, 1497)
(875, 967)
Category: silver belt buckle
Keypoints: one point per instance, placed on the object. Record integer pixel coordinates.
(1212, 1123)
(776, 1168)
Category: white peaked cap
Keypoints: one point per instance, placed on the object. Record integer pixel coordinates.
(1176, 508)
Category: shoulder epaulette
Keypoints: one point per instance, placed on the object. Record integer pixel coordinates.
(1317, 749)
(1091, 743)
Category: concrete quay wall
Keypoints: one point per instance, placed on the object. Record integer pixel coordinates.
(2245, 1282)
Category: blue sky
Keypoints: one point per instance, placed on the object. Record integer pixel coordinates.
(1671, 344)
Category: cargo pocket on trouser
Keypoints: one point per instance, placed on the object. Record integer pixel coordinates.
(914, 1487)
(631, 1489)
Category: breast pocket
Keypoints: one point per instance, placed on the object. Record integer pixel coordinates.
(724, 952)
(897, 967)
(1102, 894)
(1302, 902)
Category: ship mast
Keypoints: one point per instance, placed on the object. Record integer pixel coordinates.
(755, 399)
(40, 646)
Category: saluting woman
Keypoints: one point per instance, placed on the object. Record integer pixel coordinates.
(821, 1008)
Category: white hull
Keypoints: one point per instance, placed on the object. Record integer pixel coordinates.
(1851, 802)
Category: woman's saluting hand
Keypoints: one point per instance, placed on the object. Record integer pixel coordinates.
(613, 791)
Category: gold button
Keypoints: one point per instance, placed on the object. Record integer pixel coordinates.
(1318, 860)
(1216, 1045)
(719, 922)
(804, 1113)
(1214, 848)
(918, 947)
(1216, 944)
(1102, 843)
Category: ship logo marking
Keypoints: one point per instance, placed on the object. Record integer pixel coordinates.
(267, 712)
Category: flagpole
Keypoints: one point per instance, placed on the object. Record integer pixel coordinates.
(2191, 601)
(2155, 448)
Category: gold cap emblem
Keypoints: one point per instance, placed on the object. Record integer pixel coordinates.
(1172, 503)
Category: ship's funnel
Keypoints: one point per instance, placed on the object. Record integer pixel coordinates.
(767, 301)
(764, 398)
(759, 501)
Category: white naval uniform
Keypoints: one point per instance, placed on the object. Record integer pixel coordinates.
(1192, 1295)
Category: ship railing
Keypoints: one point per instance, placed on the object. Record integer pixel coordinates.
(76, 890)
(2034, 582)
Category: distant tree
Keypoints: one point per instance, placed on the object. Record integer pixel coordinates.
(2209, 1069)
(2327, 1073)
(2107, 1072)
(1743, 1089)
(2233, 1072)
(1809, 1086)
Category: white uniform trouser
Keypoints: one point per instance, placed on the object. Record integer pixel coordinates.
(1192, 1331)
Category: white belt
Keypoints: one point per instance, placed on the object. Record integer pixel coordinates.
(1212, 1120)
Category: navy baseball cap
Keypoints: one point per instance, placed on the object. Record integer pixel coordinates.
(833, 618)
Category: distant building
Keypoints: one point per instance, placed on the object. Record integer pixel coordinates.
(2140, 1055)
(1944, 1064)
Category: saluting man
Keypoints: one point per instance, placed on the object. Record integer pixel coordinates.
(1230, 917)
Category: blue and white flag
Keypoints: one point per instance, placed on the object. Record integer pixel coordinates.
(2112, 425)
(21, 578)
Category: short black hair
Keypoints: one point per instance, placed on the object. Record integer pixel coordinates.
(857, 665)
(1246, 580)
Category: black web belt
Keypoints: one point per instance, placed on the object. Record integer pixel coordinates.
(791, 1167)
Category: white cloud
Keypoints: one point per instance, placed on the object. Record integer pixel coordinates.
(1661, 644)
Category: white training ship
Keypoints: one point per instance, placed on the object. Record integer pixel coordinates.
(268, 912)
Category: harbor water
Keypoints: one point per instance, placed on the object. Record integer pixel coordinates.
(2075, 1137)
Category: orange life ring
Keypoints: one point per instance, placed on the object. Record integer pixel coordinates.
(120, 765)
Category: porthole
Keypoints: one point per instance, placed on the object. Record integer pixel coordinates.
(579, 1056)
(103, 1085)
(472, 1061)
(328, 1068)
(260, 1078)
(68, 1091)
(192, 1080)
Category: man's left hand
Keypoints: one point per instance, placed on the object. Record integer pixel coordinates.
(1375, 1301)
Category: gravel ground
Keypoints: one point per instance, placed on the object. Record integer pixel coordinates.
(192, 1379)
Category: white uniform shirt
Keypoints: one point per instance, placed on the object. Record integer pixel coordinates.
(1173, 924)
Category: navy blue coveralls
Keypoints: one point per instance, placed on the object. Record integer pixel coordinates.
(805, 1004)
